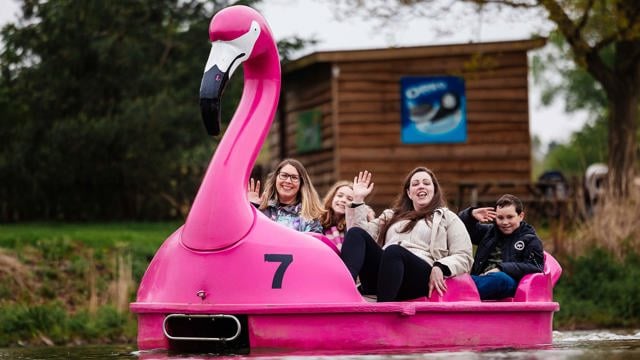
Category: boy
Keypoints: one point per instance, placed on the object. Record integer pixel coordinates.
(507, 249)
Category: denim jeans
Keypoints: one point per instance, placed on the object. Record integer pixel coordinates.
(495, 285)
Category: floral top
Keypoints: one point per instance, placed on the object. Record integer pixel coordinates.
(289, 216)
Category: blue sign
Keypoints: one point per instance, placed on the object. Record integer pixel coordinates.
(434, 110)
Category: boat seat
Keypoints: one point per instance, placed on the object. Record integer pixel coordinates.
(532, 287)
(459, 288)
(538, 286)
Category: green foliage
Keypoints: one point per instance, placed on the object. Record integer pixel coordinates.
(51, 320)
(561, 77)
(25, 322)
(46, 295)
(98, 109)
(585, 147)
(598, 291)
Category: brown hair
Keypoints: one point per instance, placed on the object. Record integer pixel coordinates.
(403, 206)
(307, 194)
(329, 216)
(508, 200)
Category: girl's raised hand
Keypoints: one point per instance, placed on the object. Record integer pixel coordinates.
(254, 191)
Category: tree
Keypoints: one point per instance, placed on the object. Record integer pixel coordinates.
(590, 28)
(98, 108)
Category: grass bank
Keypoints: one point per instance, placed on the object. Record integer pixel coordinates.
(71, 283)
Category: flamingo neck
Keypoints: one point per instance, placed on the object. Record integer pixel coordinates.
(221, 214)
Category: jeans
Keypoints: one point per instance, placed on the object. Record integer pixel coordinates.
(495, 285)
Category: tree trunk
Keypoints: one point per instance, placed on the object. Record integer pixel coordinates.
(622, 140)
(622, 93)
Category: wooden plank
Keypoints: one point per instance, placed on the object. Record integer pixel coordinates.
(422, 52)
(401, 166)
(393, 84)
(476, 75)
(475, 118)
(498, 94)
(496, 137)
(371, 128)
(476, 95)
(323, 102)
(351, 151)
(445, 64)
(474, 105)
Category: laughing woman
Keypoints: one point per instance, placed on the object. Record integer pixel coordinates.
(289, 197)
(408, 250)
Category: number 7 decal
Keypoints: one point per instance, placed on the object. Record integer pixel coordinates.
(285, 260)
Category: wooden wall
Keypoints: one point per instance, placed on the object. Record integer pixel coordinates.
(498, 144)
(360, 102)
(311, 90)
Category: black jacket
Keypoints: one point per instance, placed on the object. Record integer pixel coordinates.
(521, 251)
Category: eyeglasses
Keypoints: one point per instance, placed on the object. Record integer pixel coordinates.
(284, 176)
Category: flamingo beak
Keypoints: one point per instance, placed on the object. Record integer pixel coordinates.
(224, 59)
(211, 89)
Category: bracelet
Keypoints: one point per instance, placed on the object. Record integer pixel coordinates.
(355, 205)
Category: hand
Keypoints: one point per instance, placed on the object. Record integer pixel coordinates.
(436, 281)
(485, 214)
(254, 191)
(490, 271)
(371, 215)
(362, 186)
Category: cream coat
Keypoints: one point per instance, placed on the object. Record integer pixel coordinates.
(449, 245)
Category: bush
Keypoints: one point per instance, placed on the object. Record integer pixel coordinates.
(599, 291)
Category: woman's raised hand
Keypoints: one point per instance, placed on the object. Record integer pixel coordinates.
(254, 191)
(362, 186)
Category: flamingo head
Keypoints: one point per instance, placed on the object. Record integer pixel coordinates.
(237, 34)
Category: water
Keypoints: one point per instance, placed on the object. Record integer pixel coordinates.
(610, 345)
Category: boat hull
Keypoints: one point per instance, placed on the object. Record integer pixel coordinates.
(369, 327)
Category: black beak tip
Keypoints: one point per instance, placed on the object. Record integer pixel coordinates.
(210, 110)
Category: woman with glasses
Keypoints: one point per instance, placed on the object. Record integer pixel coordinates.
(408, 250)
(289, 197)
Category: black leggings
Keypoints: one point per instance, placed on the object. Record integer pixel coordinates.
(392, 274)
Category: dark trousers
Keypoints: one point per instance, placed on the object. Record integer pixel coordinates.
(392, 274)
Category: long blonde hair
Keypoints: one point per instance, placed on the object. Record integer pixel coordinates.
(328, 217)
(307, 194)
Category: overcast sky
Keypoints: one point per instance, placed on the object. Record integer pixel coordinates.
(314, 18)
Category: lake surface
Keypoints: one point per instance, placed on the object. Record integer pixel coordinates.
(609, 345)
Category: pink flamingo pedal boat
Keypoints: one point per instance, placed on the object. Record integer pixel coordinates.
(232, 280)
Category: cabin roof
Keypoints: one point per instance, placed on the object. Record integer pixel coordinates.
(395, 53)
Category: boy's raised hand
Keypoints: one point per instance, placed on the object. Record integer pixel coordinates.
(362, 186)
(485, 214)
(254, 191)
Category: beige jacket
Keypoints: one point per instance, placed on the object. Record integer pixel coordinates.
(449, 245)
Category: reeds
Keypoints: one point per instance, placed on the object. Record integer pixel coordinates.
(614, 225)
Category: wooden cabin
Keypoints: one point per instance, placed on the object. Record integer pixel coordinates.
(342, 111)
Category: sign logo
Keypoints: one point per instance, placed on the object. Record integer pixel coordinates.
(519, 245)
(433, 109)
